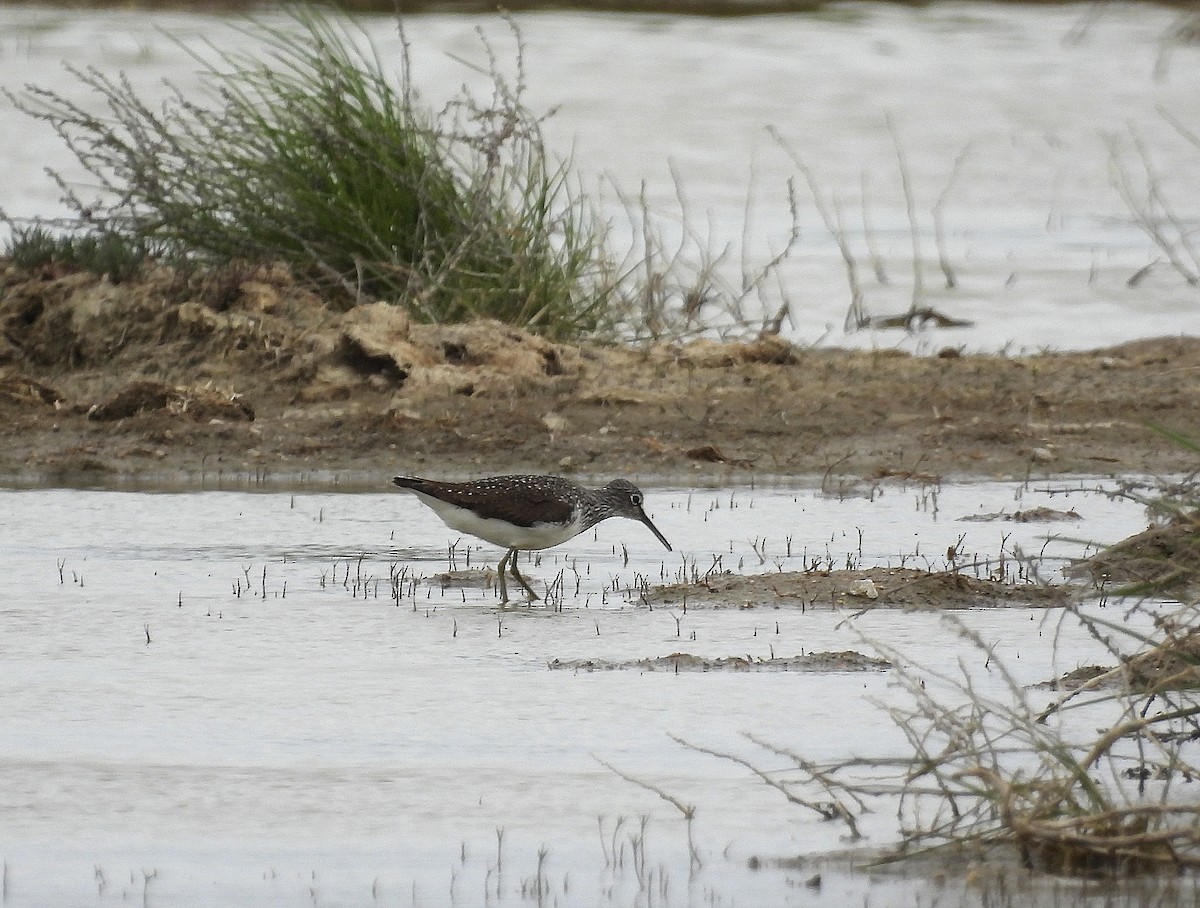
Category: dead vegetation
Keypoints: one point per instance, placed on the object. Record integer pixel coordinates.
(990, 771)
(1094, 783)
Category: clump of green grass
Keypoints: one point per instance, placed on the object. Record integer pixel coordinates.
(307, 152)
(119, 257)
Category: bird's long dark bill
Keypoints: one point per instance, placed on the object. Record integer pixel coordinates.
(654, 530)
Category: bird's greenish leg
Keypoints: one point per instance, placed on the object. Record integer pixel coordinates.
(500, 568)
(512, 563)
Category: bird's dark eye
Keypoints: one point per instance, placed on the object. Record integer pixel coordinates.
(636, 498)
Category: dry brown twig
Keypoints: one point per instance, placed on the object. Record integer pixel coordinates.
(828, 810)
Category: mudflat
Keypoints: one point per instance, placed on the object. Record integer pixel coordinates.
(248, 372)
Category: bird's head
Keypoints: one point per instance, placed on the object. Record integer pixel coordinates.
(626, 500)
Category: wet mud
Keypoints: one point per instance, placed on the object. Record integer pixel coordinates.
(247, 372)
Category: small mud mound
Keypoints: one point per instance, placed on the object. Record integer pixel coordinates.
(1173, 664)
(847, 661)
(873, 588)
(23, 391)
(769, 349)
(379, 341)
(1076, 678)
(200, 404)
(376, 339)
(1161, 559)
(470, 578)
(81, 321)
(1033, 515)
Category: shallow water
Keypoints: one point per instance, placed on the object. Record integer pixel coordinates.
(219, 688)
(1032, 97)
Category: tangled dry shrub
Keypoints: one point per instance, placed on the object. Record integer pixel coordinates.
(989, 772)
(1092, 784)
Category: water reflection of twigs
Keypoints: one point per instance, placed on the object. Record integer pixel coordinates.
(679, 286)
(829, 208)
(939, 232)
(830, 214)
(688, 811)
(1146, 200)
(910, 209)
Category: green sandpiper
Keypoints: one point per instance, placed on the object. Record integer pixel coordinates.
(527, 512)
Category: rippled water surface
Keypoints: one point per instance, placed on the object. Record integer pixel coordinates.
(219, 688)
(213, 698)
(1020, 120)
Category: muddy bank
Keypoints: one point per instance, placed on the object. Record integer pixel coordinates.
(856, 589)
(246, 373)
(846, 661)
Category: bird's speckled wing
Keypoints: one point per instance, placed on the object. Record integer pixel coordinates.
(541, 499)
